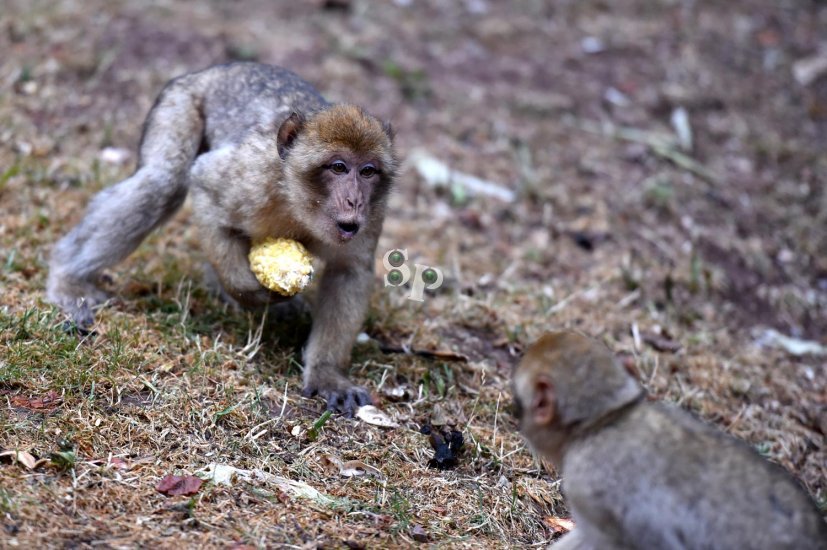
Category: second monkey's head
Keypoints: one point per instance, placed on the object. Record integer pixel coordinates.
(565, 383)
(339, 165)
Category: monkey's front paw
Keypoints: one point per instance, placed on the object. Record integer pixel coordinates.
(341, 394)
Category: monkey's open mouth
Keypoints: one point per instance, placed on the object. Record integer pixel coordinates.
(347, 230)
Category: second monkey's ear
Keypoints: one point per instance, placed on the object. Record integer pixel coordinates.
(543, 403)
(288, 131)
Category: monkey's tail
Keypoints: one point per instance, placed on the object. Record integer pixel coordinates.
(120, 217)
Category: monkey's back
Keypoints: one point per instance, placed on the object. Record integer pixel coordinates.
(236, 97)
(659, 478)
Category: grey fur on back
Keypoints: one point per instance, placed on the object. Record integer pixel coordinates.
(674, 499)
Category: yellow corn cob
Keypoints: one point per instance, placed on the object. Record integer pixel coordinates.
(282, 265)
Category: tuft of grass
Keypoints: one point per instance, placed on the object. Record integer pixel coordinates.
(40, 348)
(401, 510)
(64, 460)
(315, 430)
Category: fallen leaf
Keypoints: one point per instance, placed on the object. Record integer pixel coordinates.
(439, 417)
(371, 415)
(419, 534)
(808, 70)
(559, 525)
(47, 402)
(24, 458)
(331, 464)
(115, 155)
(351, 468)
(172, 485)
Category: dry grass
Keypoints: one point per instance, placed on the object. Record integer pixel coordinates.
(608, 235)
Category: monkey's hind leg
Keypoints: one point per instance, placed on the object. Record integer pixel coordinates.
(117, 220)
(119, 217)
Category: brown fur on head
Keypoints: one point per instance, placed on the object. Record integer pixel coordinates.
(564, 383)
(339, 165)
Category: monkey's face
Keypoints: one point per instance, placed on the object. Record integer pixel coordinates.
(349, 186)
(534, 401)
(564, 382)
(339, 165)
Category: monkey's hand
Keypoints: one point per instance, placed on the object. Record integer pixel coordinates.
(341, 394)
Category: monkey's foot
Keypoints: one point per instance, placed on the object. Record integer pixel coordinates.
(341, 394)
(78, 299)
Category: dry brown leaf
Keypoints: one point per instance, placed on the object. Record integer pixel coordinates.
(46, 402)
(179, 485)
(418, 533)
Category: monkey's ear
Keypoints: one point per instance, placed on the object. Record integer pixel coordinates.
(543, 404)
(288, 132)
(389, 131)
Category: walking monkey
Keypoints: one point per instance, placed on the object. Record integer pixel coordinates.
(264, 155)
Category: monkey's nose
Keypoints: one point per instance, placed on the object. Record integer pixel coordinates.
(347, 229)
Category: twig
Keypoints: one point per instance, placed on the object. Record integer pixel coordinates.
(663, 147)
(559, 306)
(445, 355)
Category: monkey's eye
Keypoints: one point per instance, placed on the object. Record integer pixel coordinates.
(367, 171)
(338, 167)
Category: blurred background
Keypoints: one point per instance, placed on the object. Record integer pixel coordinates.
(651, 172)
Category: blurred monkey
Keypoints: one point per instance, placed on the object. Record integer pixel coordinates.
(640, 474)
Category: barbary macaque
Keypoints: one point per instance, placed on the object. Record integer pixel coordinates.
(264, 155)
(642, 474)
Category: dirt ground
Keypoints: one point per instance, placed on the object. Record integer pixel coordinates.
(688, 257)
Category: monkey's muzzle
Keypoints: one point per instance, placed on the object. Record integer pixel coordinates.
(347, 230)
